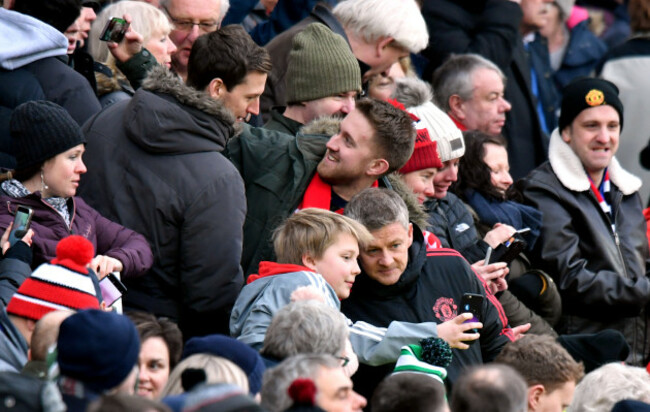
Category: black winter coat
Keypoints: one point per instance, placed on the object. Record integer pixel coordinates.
(429, 290)
(602, 274)
(155, 165)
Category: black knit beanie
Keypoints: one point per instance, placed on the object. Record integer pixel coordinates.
(587, 92)
(321, 64)
(41, 130)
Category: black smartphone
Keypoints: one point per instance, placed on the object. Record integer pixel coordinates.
(22, 221)
(472, 303)
(508, 251)
(114, 30)
(112, 289)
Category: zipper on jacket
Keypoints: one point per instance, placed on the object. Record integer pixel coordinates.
(617, 240)
(65, 224)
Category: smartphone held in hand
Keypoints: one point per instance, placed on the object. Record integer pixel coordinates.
(22, 221)
(114, 30)
(112, 289)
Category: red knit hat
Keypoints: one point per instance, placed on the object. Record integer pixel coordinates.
(425, 154)
(63, 284)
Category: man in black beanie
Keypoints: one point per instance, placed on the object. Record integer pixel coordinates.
(593, 238)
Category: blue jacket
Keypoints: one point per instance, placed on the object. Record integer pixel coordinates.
(582, 55)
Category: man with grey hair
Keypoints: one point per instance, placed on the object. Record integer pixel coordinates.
(401, 280)
(307, 326)
(333, 389)
(378, 32)
(191, 19)
(470, 89)
(490, 388)
(495, 30)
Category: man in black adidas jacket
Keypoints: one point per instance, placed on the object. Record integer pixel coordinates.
(402, 280)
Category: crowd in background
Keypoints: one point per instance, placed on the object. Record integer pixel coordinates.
(301, 205)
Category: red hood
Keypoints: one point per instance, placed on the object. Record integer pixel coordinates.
(271, 268)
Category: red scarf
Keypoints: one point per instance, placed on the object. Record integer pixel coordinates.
(271, 268)
(458, 124)
(319, 195)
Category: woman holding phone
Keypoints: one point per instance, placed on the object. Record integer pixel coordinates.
(48, 146)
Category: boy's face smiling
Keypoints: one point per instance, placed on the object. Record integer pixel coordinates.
(338, 265)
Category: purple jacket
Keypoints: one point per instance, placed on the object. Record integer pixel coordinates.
(108, 238)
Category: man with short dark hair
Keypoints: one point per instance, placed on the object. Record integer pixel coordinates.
(158, 161)
(284, 173)
(549, 370)
(593, 236)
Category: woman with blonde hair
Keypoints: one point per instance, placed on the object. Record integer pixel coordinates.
(146, 20)
(216, 369)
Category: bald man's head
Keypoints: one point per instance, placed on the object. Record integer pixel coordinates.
(46, 333)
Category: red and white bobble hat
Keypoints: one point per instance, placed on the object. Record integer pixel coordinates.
(63, 284)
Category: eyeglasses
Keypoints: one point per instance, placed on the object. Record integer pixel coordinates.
(344, 360)
(187, 25)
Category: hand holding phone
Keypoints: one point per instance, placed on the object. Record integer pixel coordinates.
(472, 303)
(509, 250)
(22, 221)
(112, 289)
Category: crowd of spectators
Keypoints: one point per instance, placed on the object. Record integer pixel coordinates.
(341, 205)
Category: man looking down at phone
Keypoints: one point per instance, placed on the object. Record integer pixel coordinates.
(401, 280)
(156, 165)
(593, 238)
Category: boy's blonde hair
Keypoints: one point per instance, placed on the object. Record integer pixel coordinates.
(311, 231)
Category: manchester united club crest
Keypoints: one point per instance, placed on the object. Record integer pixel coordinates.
(595, 97)
(445, 309)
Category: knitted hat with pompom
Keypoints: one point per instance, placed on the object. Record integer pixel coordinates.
(63, 284)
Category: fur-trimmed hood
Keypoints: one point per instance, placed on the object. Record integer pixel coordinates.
(328, 126)
(165, 116)
(417, 214)
(569, 170)
(412, 92)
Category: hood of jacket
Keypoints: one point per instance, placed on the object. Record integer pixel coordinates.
(328, 125)
(364, 285)
(167, 117)
(417, 213)
(569, 170)
(412, 92)
(25, 40)
(268, 269)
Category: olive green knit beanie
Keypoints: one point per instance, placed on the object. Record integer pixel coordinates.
(321, 64)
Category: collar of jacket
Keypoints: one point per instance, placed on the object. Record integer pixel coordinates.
(569, 170)
(161, 80)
